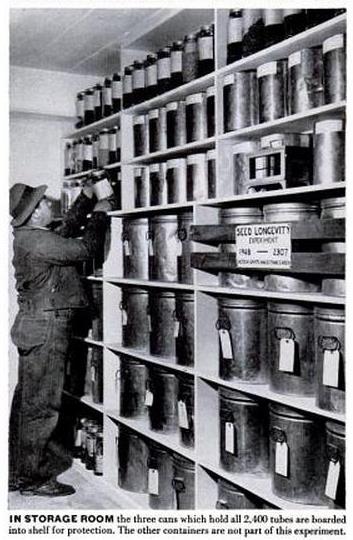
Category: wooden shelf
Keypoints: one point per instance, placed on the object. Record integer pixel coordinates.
(112, 120)
(158, 209)
(86, 400)
(204, 144)
(150, 284)
(89, 341)
(112, 166)
(81, 174)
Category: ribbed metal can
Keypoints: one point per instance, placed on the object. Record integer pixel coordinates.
(335, 489)
(158, 186)
(305, 80)
(160, 476)
(240, 153)
(135, 329)
(186, 409)
(176, 180)
(329, 152)
(162, 308)
(330, 358)
(231, 497)
(183, 483)
(296, 456)
(97, 308)
(333, 208)
(165, 243)
(135, 248)
(97, 375)
(196, 117)
(243, 433)
(240, 100)
(184, 329)
(133, 456)
(176, 123)
(291, 349)
(242, 323)
(272, 78)
(133, 378)
(196, 177)
(293, 211)
(185, 271)
(162, 385)
(334, 51)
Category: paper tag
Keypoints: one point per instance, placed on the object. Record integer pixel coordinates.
(107, 95)
(138, 79)
(267, 69)
(229, 437)
(229, 79)
(150, 247)
(124, 317)
(173, 106)
(93, 373)
(194, 98)
(327, 126)
(294, 59)
(176, 328)
(286, 355)
(281, 459)
(235, 29)
(149, 322)
(117, 89)
(334, 42)
(226, 344)
(127, 84)
(333, 475)
(104, 141)
(153, 481)
(331, 368)
(148, 398)
(88, 152)
(89, 102)
(151, 75)
(138, 120)
(179, 248)
(183, 415)
(153, 114)
(154, 168)
(126, 247)
(78, 437)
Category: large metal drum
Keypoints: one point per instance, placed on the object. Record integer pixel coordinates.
(162, 309)
(162, 399)
(133, 455)
(133, 379)
(184, 483)
(335, 489)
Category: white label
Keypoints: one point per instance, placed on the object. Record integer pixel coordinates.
(267, 69)
(153, 481)
(163, 68)
(286, 355)
(87, 152)
(179, 247)
(138, 120)
(294, 59)
(148, 398)
(334, 42)
(281, 458)
(154, 168)
(126, 247)
(273, 16)
(211, 154)
(229, 437)
(150, 247)
(78, 438)
(176, 61)
(93, 373)
(127, 84)
(80, 108)
(112, 141)
(326, 126)
(116, 89)
(194, 98)
(263, 245)
(107, 95)
(176, 328)
(97, 98)
(183, 415)
(68, 368)
(124, 317)
(226, 344)
(229, 79)
(103, 189)
(149, 323)
(151, 75)
(153, 114)
(195, 159)
(331, 368)
(173, 106)
(333, 475)
(175, 163)
(104, 142)
(205, 47)
(138, 79)
(211, 91)
(235, 29)
(89, 102)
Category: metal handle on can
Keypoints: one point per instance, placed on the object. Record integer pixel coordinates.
(149, 235)
(223, 322)
(283, 332)
(333, 453)
(152, 463)
(124, 236)
(329, 343)
(278, 435)
(182, 234)
(178, 484)
(221, 504)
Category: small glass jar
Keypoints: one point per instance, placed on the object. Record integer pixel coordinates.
(205, 47)
(176, 64)
(107, 97)
(150, 66)
(138, 83)
(190, 58)
(127, 87)
(163, 70)
(116, 93)
(89, 106)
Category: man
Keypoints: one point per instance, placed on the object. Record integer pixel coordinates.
(50, 293)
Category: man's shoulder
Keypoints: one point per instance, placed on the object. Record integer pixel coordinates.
(26, 235)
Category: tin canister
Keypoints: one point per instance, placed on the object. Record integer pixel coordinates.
(163, 406)
(240, 153)
(97, 375)
(141, 187)
(184, 329)
(158, 186)
(210, 97)
(135, 248)
(240, 100)
(185, 271)
(91, 431)
(157, 124)
(231, 497)
(335, 489)
(253, 31)
(133, 456)
(97, 311)
(160, 476)
(333, 287)
(186, 410)
(176, 180)
(135, 330)
(196, 177)
(277, 282)
(140, 135)
(291, 349)
(162, 314)
(329, 152)
(296, 456)
(103, 149)
(196, 117)
(243, 433)
(292, 211)
(176, 123)
(305, 80)
(242, 327)
(183, 483)
(333, 208)
(133, 378)
(211, 174)
(272, 90)
(165, 247)
(334, 51)
(330, 358)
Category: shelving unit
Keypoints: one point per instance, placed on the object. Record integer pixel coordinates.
(205, 287)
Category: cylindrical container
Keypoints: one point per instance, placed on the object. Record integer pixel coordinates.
(98, 454)
(242, 327)
(190, 58)
(329, 152)
(196, 177)
(79, 155)
(211, 174)
(135, 248)
(334, 287)
(89, 106)
(253, 31)
(176, 180)
(243, 433)
(117, 92)
(186, 410)
(184, 483)
(165, 247)
(68, 159)
(91, 432)
(185, 271)
(163, 70)
(127, 87)
(97, 310)
(196, 117)
(231, 497)
(162, 129)
(277, 282)
(272, 90)
(240, 109)
(234, 36)
(294, 21)
(135, 330)
(158, 186)
(330, 358)
(205, 48)
(133, 456)
(103, 152)
(153, 129)
(296, 456)
(138, 82)
(210, 106)
(293, 211)
(335, 489)
(162, 316)
(334, 52)
(151, 76)
(74, 156)
(141, 187)
(112, 145)
(107, 99)
(140, 135)
(97, 375)
(176, 64)
(184, 329)
(98, 111)
(305, 85)
(86, 426)
(318, 16)
(163, 408)
(333, 208)
(240, 153)
(273, 26)
(133, 378)
(118, 144)
(160, 476)
(291, 349)
(95, 151)
(80, 109)
(176, 123)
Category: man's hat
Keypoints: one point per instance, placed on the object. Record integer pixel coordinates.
(23, 200)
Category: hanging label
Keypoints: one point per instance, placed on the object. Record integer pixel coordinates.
(153, 482)
(183, 415)
(294, 59)
(286, 355)
(127, 84)
(148, 398)
(194, 98)
(226, 344)
(107, 95)
(138, 79)
(153, 114)
(229, 437)
(126, 246)
(281, 458)
(332, 479)
(267, 69)
(103, 189)
(78, 437)
(116, 89)
(150, 247)
(149, 321)
(112, 142)
(176, 328)
(334, 42)
(263, 245)
(179, 247)
(235, 30)
(151, 75)
(93, 373)
(331, 368)
(173, 106)
(205, 47)
(88, 152)
(124, 317)
(163, 68)
(176, 61)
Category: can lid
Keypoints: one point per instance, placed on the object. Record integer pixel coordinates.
(277, 282)
(287, 412)
(239, 303)
(163, 294)
(211, 91)
(135, 221)
(328, 126)
(235, 395)
(134, 290)
(241, 212)
(104, 131)
(336, 427)
(267, 69)
(277, 307)
(334, 287)
(277, 208)
(336, 314)
(333, 202)
(333, 42)
(165, 218)
(185, 296)
(185, 216)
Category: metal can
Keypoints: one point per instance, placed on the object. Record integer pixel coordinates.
(135, 329)
(183, 483)
(185, 271)
(157, 124)
(176, 123)
(127, 87)
(165, 248)
(305, 80)
(205, 48)
(133, 378)
(103, 152)
(140, 135)
(117, 91)
(242, 328)
(162, 314)
(240, 100)
(210, 106)
(98, 454)
(150, 66)
(243, 433)
(272, 90)
(273, 26)
(112, 144)
(291, 349)
(329, 152)
(160, 475)
(334, 52)
(231, 497)
(240, 153)
(335, 489)
(158, 185)
(296, 456)
(133, 456)
(184, 329)
(211, 174)
(330, 358)
(97, 375)
(190, 58)
(196, 117)
(138, 82)
(196, 177)
(135, 248)
(176, 64)
(163, 406)
(97, 311)
(176, 180)
(333, 287)
(292, 211)
(91, 432)
(333, 208)
(234, 35)
(88, 106)
(164, 70)
(186, 410)
(141, 187)
(253, 31)
(277, 282)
